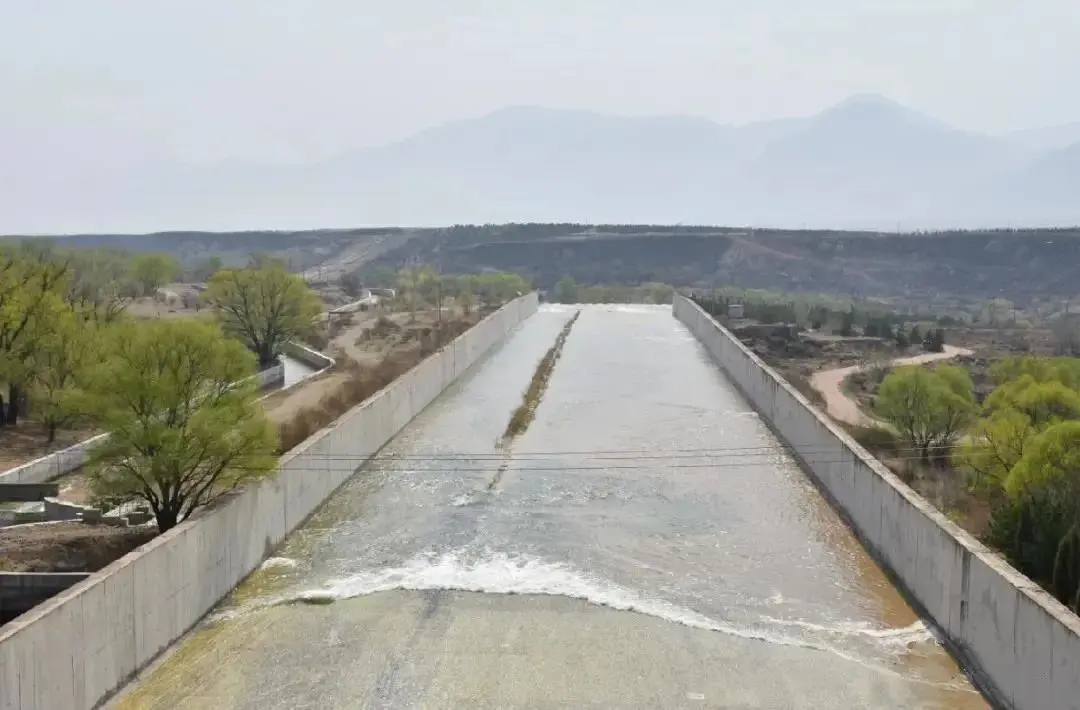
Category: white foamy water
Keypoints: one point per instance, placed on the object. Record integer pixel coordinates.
(498, 573)
(278, 563)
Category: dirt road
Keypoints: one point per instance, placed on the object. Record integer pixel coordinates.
(830, 383)
(280, 407)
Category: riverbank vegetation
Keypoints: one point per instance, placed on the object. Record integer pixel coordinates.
(1017, 455)
(177, 395)
(180, 403)
(829, 314)
(566, 290)
(929, 408)
(264, 307)
(993, 441)
(420, 286)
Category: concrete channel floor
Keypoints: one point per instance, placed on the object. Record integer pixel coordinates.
(441, 649)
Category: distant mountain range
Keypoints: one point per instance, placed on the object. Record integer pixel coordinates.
(864, 163)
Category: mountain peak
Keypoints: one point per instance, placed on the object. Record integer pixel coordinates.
(529, 110)
(874, 111)
(869, 100)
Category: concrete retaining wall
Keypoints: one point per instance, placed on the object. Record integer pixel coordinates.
(271, 377)
(306, 355)
(55, 464)
(56, 509)
(21, 517)
(1022, 646)
(27, 492)
(79, 647)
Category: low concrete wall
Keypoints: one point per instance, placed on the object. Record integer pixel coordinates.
(79, 647)
(1021, 645)
(371, 301)
(271, 377)
(27, 492)
(306, 355)
(312, 358)
(21, 517)
(55, 464)
(56, 509)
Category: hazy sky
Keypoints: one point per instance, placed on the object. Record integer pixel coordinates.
(202, 80)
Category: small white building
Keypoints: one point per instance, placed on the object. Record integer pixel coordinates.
(735, 310)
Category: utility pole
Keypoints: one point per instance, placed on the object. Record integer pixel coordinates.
(414, 286)
(438, 292)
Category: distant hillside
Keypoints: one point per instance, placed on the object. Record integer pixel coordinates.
(299, 249)
(1018, 265)
(1013, 264)
(866, 163)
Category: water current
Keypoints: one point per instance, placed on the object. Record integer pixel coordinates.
(648, 544)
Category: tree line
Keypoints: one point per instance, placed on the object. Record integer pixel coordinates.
(567, 290)
(821, 312)
(1019, 450)
(528, 230)
(178, 396)
(422, 285)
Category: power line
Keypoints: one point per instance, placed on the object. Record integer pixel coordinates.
(593, 460)
(490, 463)
(613, 454)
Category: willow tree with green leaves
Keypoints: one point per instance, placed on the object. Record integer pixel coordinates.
(565, 291)
(264, 306)
(181, 406)
(1045, 484)
(1023, 454)
(151, 271)
(99, 286)
(496, 288)
(929, 408)
(31, 288)
(60, 365)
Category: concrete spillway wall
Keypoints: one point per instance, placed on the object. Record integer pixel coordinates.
(79, 647)
(1021, 645)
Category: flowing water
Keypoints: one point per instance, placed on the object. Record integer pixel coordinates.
(645, 543)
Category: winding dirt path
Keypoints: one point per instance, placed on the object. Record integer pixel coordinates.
(282, 406)
(830, 383)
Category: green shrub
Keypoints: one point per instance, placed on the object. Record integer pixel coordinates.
(876, 440)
